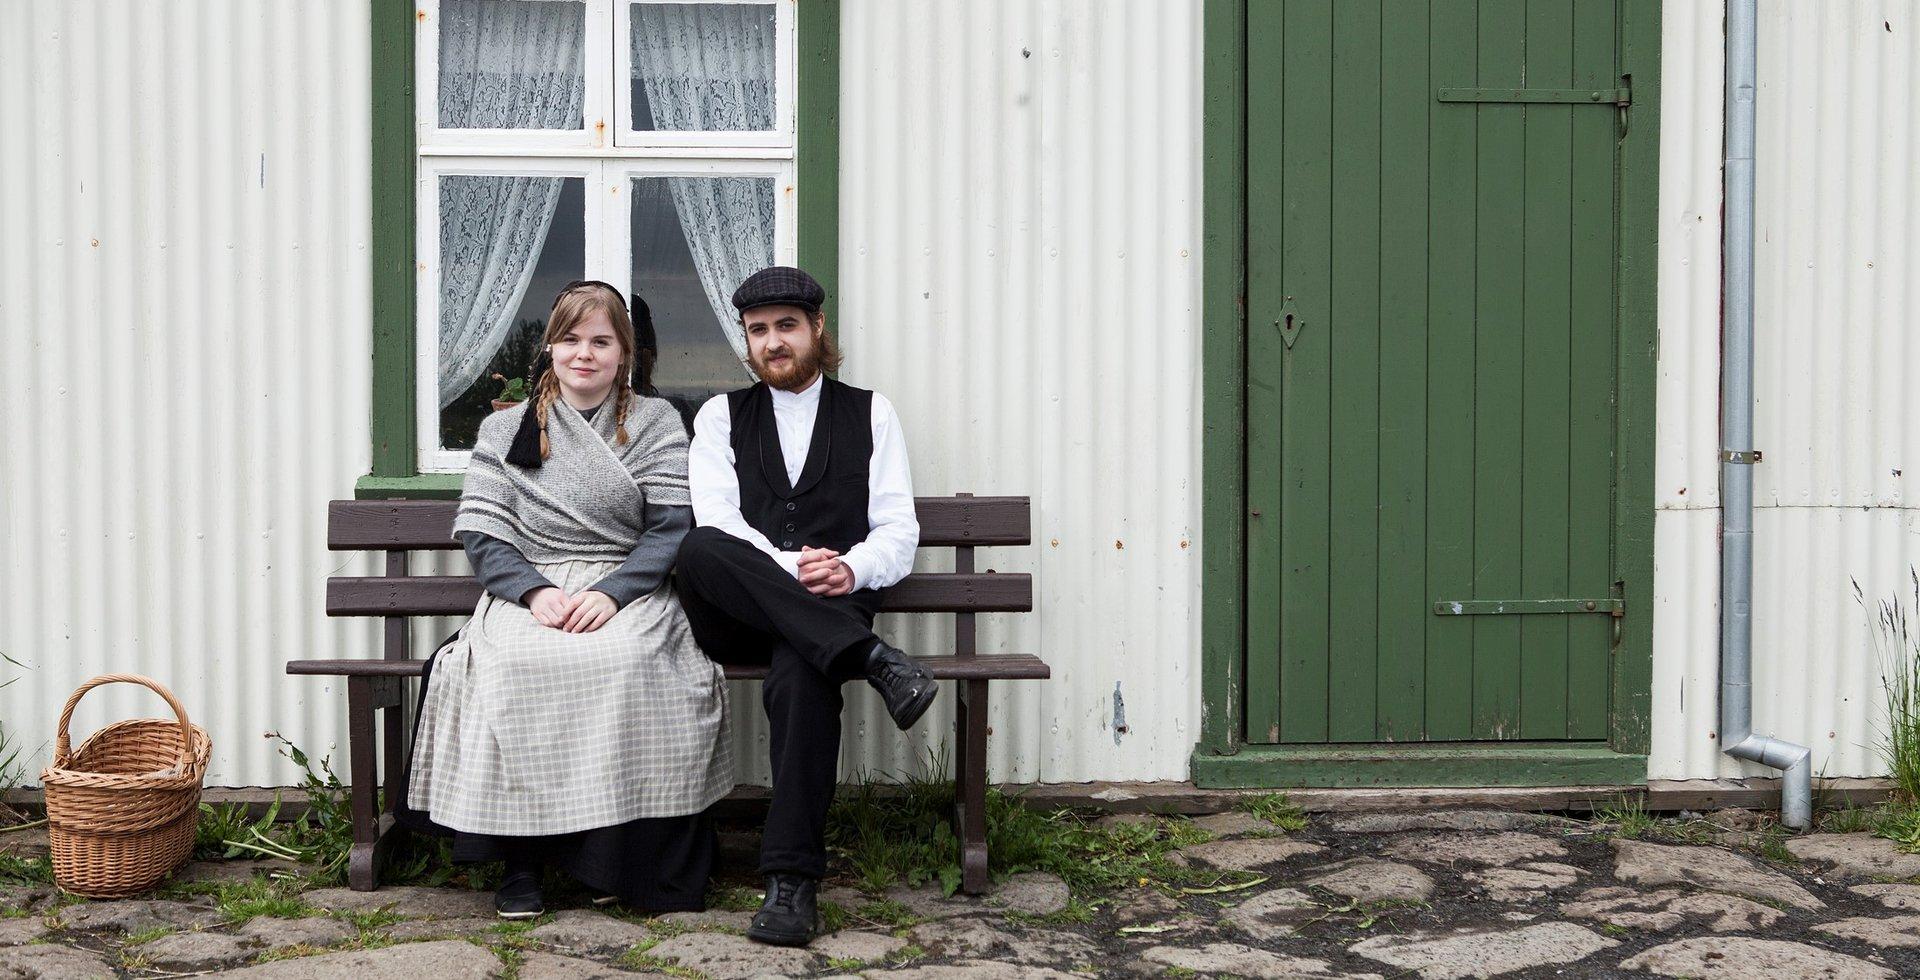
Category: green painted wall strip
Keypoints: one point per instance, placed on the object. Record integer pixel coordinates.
(1481, 764)
(1223, 388)
(391, 241)
(817, 154)
(423, 486)
(1638, 347)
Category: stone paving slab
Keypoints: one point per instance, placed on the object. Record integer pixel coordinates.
(581, 931)
(21, 931)
(971, 970)
(1272, 915)
(1525, 882)
(137, 915)
(1244, 854)
(853, 944)
(1367, 880)
(1245, 961)
(1668, 909)
(184, 952)
(1647, 863)
(449, 959)
(50, 962)
(724, 956)
(412, 901)
(1485, 953)
(1745, 958)
(552, 966)
(1856, 855)
(720, 919)
(1897, 931)
(317, 930)
(963, 937)
(1893, 896)
(413, 930)
(1494, 850)
(224, 871)
(1396, 822)
(1234, 822)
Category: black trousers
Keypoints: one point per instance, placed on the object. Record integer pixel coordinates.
(745, 609)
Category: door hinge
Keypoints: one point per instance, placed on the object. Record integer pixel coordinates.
(1529, 607)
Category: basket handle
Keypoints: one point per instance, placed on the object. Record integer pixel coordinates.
(63, 745)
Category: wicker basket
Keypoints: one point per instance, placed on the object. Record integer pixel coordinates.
(121, 812)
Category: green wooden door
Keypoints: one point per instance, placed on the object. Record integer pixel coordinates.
(1430, 361)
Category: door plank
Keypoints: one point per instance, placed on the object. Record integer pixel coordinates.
(1403, 373)
(1354, 335)
(1266, 184)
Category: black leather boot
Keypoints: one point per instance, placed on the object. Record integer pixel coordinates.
(791, 914)
(907, 687)
(519, 896)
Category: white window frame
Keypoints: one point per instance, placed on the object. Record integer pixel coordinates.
(785, 87)
(606, 168)
(595, 108)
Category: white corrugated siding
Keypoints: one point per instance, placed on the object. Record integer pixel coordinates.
(1019, 246)
(184, 311)
(1837, 268)
(183, 288)
(183, 227)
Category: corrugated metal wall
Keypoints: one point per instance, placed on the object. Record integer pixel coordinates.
(183, 244)
(183, 296)
(1020, 239)
(1837, 268)
(183, 286)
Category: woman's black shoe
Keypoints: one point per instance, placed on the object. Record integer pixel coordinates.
(519, 896)
(790, 916)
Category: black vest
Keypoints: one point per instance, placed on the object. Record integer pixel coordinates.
(828, 507)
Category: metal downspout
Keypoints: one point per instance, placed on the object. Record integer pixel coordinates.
(1737, 455)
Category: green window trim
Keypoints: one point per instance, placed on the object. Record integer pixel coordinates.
(1221, 758)
(395, 470)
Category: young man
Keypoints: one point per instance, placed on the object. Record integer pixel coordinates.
(804, 508)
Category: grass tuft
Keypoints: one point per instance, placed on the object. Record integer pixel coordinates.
(1276, 809)
(1626, 817)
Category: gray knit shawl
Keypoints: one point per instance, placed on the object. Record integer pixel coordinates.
(590, 498)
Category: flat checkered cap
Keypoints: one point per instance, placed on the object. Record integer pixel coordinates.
(782, 284)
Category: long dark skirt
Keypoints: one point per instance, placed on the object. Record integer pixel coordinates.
(656, 864)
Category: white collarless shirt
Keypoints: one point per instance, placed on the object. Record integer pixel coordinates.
(893, 532)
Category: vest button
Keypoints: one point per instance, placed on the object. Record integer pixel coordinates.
(792, 506)
(789, 528)
(787, 545)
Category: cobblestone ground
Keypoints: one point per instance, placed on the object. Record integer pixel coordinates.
(1449, 894)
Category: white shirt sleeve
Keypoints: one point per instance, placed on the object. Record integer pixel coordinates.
(893, 532)
(716, 485)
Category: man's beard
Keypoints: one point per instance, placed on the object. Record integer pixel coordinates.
(799, 369)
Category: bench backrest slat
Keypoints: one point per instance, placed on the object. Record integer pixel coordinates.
(427, 525)
(454, 595)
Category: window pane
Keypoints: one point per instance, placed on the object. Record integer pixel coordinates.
(703, 67)
(507, 245)
(694, 240)
(512, 64)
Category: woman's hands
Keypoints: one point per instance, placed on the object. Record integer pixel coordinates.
(582, 613)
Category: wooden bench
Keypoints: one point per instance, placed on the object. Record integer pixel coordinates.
(399, 527)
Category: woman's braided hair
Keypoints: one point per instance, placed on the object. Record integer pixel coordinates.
(576, 302)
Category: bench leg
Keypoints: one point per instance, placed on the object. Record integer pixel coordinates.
(970, 784)
(373, 831)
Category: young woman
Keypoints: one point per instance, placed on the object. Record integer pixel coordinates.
(573, 722)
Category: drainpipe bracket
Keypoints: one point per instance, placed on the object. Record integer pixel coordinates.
(1744, 456)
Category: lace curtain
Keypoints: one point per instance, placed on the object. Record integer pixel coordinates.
(504, 64)
(709, 67)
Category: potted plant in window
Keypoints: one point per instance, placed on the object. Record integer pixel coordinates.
(513, 391)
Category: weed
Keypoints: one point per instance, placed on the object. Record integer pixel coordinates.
(737, 898)
(846, 964)
(293, 952)
(833, 918)
(147, 935)
(907, 954)
(1615, 929)
(886, 912)
(14, 869)
(1276, 809)
(1896, 640)
(1850, 819)
(1627, 817)
(1179, 971)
